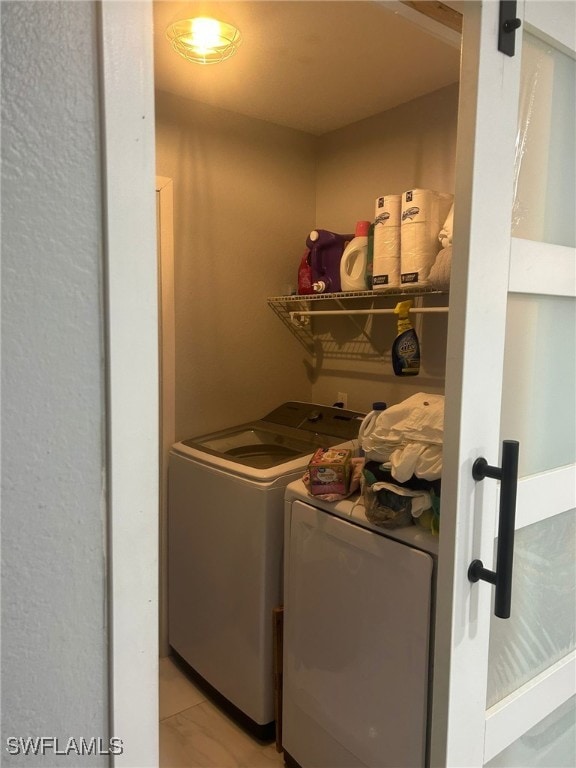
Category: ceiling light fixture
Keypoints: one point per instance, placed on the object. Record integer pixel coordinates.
(204, 40)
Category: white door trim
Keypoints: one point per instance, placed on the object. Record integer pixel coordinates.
(530, 268)
(127, 132)
(535, 492)
(510, 718)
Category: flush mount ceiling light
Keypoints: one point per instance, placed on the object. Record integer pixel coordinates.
(204, 40)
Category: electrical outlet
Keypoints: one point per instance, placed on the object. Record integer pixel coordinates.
(342, 398)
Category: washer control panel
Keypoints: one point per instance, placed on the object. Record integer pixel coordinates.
(322, 419)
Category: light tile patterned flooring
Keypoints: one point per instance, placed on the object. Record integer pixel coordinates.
(195, 733)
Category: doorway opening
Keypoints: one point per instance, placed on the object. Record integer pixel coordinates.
(254, 170)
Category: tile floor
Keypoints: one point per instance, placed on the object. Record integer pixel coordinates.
(195, 733)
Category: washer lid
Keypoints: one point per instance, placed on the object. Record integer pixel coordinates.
(279, 444)
(255, 445)
(276, 475)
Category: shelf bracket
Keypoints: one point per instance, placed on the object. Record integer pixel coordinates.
(354, 323)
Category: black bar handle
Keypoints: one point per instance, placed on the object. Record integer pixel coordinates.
(507, 26)
(502, 577)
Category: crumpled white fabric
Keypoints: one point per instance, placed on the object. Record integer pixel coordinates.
(424, 461)
(409, 437)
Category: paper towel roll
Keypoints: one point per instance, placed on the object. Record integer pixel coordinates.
(386, 256)
(423, 213)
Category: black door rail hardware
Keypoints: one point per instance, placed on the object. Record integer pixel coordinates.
(507, 26)
(502, 576)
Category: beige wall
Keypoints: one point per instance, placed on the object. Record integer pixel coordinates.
(407, 147)
(246, 195)
(410, 146)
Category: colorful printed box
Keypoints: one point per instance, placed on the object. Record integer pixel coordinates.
(329, 470)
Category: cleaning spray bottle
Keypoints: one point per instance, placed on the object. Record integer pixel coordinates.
(406, 347)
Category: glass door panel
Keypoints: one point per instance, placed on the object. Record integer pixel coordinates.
(550, 743)
(541, 629)
(545, 197)
(538, 404)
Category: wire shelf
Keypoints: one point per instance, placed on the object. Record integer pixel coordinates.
(385, 292)
(300, 314)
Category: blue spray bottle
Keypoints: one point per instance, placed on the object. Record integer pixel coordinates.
(406, 347)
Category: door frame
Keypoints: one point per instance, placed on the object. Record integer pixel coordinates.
(126, 79)
(127, 93)
(167, 370)
(125, 35)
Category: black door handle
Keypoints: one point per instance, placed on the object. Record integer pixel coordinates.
(502, 577)
(507, 26)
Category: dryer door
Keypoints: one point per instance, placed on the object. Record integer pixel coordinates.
(356, 645)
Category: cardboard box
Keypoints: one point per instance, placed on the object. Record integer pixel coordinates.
(329, 470)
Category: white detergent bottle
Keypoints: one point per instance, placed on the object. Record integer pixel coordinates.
(368, 424)
(354, 262)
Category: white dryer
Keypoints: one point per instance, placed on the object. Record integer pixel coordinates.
(358, 604)
(225, 540)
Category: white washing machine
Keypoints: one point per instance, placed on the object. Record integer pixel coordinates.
(357, 637)
(225, 542)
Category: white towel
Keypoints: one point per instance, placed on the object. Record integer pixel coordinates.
(416, 458)
(409, 437)
(420, 416)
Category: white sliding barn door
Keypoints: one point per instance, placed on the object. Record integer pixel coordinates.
(504, 688)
